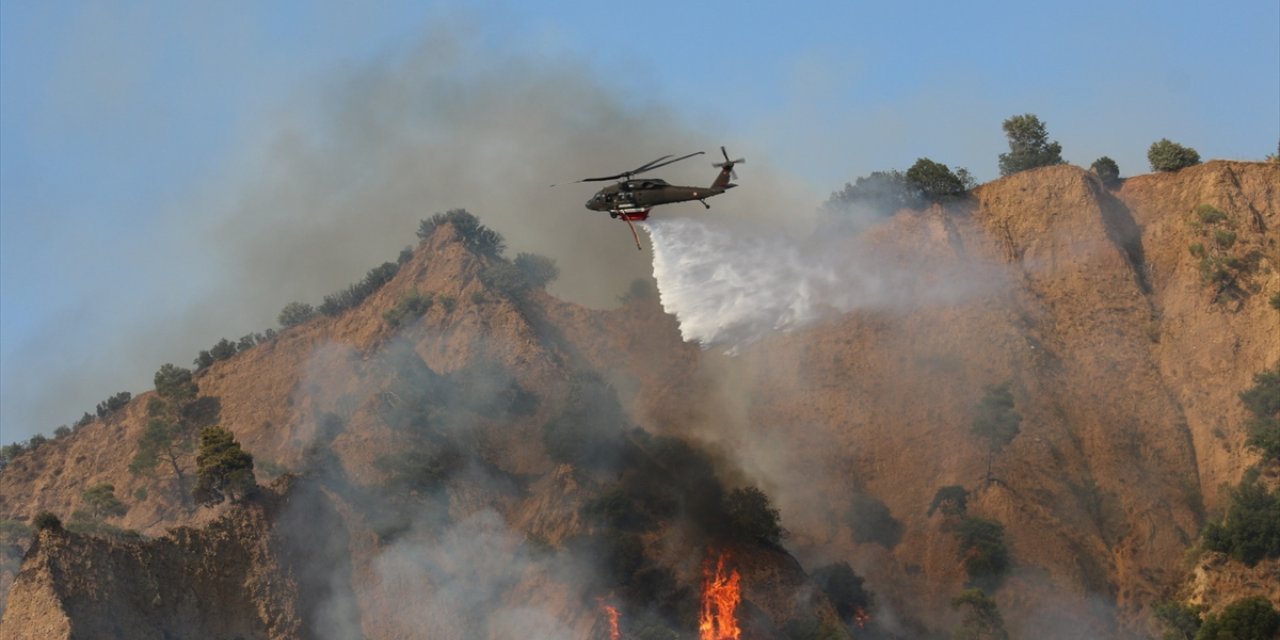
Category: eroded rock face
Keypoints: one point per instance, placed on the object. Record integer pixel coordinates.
(242, 576)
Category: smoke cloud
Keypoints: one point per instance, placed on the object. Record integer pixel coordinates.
(334, 181)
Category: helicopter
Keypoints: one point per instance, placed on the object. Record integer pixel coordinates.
(631, 199)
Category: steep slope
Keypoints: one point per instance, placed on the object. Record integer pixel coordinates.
(1122, 362)
(1090, 314)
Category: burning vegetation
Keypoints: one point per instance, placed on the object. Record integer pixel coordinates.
(721, 594)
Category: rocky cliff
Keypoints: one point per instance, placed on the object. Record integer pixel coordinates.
(1123, 358)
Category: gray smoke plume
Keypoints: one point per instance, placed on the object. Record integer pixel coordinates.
(335, 181)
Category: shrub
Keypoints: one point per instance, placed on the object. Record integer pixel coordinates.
(114, 403)
(753, 517)
(873, 522)
(1180, 621)
(203, 360)
(1262, 401)
(102, 501)
(38, 440)
(410, 307)
(46, 520)
(1275, 301)
(223, 469)
(448, 303)
(844, 589)
(406, 254)
(295, 313)
(1252, 617)
(1250, 531)
(881, 193)
(951, 499)
(353, 295)
(62, 432)
(223, 349)
(1209, 214)
(1029, 145)
(1107, 170)
(933, 181)
(982, 620)
(474, 236)
(1165, 155)
(538, 271)
(505, 278)
(84, 420)
(985, 556)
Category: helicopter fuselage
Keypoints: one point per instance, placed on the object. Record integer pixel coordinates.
(648, 193)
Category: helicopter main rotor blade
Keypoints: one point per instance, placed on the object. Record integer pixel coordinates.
(649, 165)
(652, 166)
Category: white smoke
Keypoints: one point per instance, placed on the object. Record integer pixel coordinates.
(729, 286)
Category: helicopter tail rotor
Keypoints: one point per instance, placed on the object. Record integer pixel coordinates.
(728, 164)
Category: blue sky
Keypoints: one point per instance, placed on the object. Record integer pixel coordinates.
(126, 127)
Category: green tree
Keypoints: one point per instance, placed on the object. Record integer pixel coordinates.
(985, 556)
(1107, 170)
(473, 235)
(1247, 619)
(175, 384)
(881, 193)
(223, 349)
(753, 517)
(224, 471)
(46, 520)
(102, 501)
(114, 403)
(1166, 155)
(996, 422)
(934, 181)
(1262, 400)
(1029, 145)
(295, 313)
(1250, 531)
(538, 271)
(982, 620)
(1180, 621)
(164, 438)
(409, 307)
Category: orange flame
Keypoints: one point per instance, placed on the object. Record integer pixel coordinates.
(721, 594)
(615, 632)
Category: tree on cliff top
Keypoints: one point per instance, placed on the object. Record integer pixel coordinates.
(1166, 155)
(224, 471)
(1029, 145)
